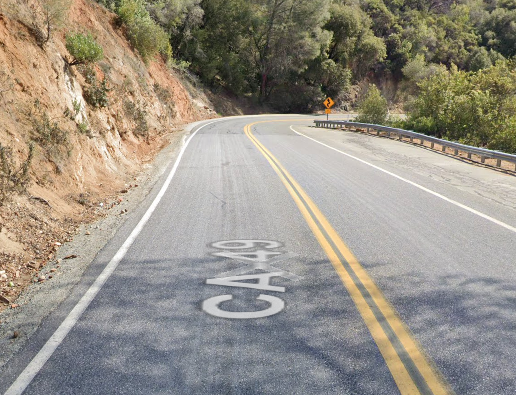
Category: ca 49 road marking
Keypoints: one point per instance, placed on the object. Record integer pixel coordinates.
(258, 255)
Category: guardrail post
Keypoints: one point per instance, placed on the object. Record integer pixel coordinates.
(443, 148)
(432, 144)
(498, 162)
(469, 155)
(456, 152)
(482, 159)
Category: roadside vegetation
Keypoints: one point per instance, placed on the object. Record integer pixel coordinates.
(14, 178)
(472, 107)
(476, 108)
(441, 58)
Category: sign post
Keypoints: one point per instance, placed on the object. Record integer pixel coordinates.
(328, 103)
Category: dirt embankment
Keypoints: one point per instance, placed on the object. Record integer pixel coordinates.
(84, 156)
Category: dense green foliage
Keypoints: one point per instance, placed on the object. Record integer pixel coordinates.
(291, 54)
(264, 47)
(477, 108)
(144, 33)
(83, 48)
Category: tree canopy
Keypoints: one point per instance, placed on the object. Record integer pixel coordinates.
(291, 53)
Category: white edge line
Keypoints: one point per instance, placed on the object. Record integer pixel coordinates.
(463, 206)
(35, 365)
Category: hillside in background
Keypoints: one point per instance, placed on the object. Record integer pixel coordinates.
(293, 53)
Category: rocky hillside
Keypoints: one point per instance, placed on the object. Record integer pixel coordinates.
(73, 137)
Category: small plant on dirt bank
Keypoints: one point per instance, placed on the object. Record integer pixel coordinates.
(54, 14)
(96, 94)
(373, 107)
(76, 106)
(82, 127)
(139, 115)
(48, 134)
(13, 178)
(83, 48)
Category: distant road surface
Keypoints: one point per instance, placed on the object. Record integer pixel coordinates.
(277, 258)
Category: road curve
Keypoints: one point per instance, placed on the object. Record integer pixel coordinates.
(276, 258)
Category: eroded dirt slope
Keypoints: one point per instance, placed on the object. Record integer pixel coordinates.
(84, 157)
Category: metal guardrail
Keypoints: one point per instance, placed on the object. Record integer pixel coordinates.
(484, 154)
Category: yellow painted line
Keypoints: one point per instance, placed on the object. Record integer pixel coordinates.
(320, 226)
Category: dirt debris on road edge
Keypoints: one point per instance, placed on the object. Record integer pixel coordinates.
(52, 281)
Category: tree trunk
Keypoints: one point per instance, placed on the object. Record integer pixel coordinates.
(263, 87)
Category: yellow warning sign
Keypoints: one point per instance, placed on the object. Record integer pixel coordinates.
(328, 103)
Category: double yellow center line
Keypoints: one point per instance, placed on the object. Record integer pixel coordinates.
(412, 371)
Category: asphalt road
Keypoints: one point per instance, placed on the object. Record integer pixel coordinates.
(274, 264)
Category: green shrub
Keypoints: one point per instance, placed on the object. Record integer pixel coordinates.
(47, 133)
(130, 10)
(424, 125)
(13, 178)
(144, 34)
(149, 39)
(139, 114)
(83, 48)
(475, 108)
(96, 94)
(82, 127)
(505, 138)
(373, 107)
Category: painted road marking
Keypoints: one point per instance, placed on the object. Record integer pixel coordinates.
(463, 206)
(251, 252)
(412, 371)
(35, 365)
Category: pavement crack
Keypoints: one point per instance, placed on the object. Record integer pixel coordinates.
(219, 199)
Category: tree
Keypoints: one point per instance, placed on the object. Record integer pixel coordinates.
(220, 49)
(499, 31)
(53, 13)
(285, 35)
(179, 18)
(354, 44)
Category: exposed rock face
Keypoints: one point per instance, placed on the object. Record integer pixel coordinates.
(83, 154)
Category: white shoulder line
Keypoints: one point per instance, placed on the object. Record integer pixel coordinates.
(467, 208)
(35, 365)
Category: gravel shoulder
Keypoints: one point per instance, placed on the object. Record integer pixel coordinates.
(63, 274)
